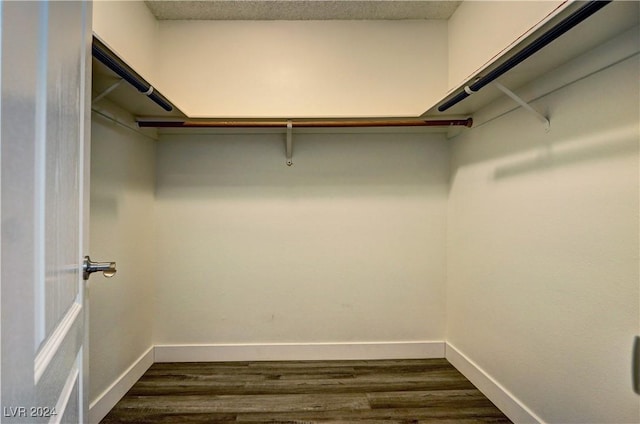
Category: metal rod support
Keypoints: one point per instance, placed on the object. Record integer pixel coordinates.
(524, 104)
(635, 365)
(289, 146)
(107, 91)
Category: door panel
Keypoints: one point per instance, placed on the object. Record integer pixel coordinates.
(60, 190)
(43, 144)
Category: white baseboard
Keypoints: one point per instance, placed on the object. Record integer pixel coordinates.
(101, 406)
(299, 351)
(511, 406)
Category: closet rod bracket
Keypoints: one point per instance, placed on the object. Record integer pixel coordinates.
(525, 105)
(107, 91)
(289, 143)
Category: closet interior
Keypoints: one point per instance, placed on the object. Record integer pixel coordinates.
(463, 188)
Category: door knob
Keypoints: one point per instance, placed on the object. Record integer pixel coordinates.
(108, 269)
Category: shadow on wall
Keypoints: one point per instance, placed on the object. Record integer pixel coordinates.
(592, 119)
(596, 146)
(323, 164)
(518, 148)
(115, 158)
(115, 168)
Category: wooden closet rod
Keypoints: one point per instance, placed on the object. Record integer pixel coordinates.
(318, 123)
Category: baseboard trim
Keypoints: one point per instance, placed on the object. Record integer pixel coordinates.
(511, 406)
(299, 351)
(101, 406)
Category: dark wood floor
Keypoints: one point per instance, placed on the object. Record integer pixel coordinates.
(389, 391)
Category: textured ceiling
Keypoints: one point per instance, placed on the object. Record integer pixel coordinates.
(301, 10)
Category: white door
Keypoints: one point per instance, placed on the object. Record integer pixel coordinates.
(44, 77)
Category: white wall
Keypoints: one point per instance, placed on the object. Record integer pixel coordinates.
(478, 31)
(304, 68)
(542, 252)
(281, 68)
(121, 308)
(344, 246)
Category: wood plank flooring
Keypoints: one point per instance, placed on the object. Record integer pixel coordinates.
(388, 391)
